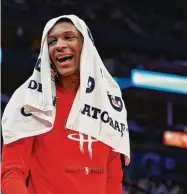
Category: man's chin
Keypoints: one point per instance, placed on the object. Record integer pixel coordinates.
(67, 72)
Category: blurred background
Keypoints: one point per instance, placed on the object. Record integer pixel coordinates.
(143, 44)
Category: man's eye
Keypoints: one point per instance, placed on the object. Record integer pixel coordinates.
(51, 42)
(69, 37)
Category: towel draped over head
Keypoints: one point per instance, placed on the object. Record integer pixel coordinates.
(98, 109)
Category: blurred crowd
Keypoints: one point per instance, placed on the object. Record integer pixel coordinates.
(166, 20)
(148, 175)
(147, 34)
(149, 186)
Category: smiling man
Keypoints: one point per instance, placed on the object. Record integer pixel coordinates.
(56, 163)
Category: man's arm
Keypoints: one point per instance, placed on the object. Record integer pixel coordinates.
(15, 166)
(114, 174)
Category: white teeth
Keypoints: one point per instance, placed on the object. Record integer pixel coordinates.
(61, 57)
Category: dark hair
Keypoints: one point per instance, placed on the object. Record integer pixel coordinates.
(64, 20)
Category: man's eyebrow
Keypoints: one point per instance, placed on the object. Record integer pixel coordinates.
(70, 31)
(65, 32)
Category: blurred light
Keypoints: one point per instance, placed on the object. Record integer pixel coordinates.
(173, 138)
(159, 81)
(123, 82)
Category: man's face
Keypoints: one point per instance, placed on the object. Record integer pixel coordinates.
(65, 46)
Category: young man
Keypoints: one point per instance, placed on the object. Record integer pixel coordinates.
(54, 159)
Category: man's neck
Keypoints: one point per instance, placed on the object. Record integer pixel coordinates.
(70, 82)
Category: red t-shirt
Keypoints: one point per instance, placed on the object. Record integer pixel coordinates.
(56, 164)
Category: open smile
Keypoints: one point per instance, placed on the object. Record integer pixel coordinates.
(64, 58)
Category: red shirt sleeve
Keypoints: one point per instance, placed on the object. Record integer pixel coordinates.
(15, 166)
(114, 174)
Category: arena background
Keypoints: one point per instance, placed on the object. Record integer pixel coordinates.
(130, 35)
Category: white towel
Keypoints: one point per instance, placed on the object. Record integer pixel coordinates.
(98, 109)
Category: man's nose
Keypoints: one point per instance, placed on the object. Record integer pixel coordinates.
(61, 44)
